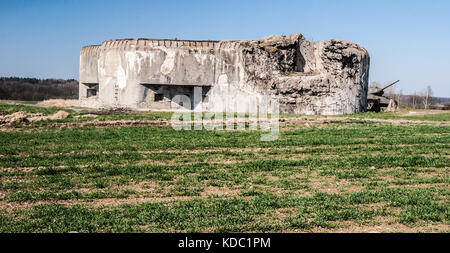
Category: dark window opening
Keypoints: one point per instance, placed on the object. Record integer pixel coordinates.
(91, 93)
(91, 89)
(159, 97)
(162, 95)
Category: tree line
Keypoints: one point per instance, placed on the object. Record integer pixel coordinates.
(33, 89)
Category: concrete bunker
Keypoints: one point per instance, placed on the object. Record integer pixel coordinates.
(324, 77)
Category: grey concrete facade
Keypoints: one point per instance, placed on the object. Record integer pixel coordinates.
(326, 77)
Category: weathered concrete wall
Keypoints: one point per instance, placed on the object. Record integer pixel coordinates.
(327, 77)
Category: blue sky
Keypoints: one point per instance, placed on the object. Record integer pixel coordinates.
(407, 40)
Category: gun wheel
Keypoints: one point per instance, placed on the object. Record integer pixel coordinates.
(373, 106)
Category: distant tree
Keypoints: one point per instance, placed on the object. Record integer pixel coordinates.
(427, 99)
(414, 100)
(16, 88)
(399, 98)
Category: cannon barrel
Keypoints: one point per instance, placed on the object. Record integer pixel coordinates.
(390, 85)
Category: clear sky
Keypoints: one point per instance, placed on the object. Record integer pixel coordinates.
(407, 40)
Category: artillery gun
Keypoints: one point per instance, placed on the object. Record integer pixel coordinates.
(375, 98)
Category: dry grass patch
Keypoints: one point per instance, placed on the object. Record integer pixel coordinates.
(332, 185)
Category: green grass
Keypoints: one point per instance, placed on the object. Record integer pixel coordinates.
(332, 177)
(9, 109)
(441, 116)
(231, 215)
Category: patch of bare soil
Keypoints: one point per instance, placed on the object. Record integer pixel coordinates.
(111, 123)
(109, 202)
(111, 111)
(218, 191)
(308, 120)
(89, 115)
(20, 117)
(332, 185)
(284, 213)
(58, 103)
(23, 169)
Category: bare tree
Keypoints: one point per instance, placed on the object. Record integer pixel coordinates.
(427, 97)
(414, 100)
(399, 98)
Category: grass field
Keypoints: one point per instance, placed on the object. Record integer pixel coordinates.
(341, 176)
